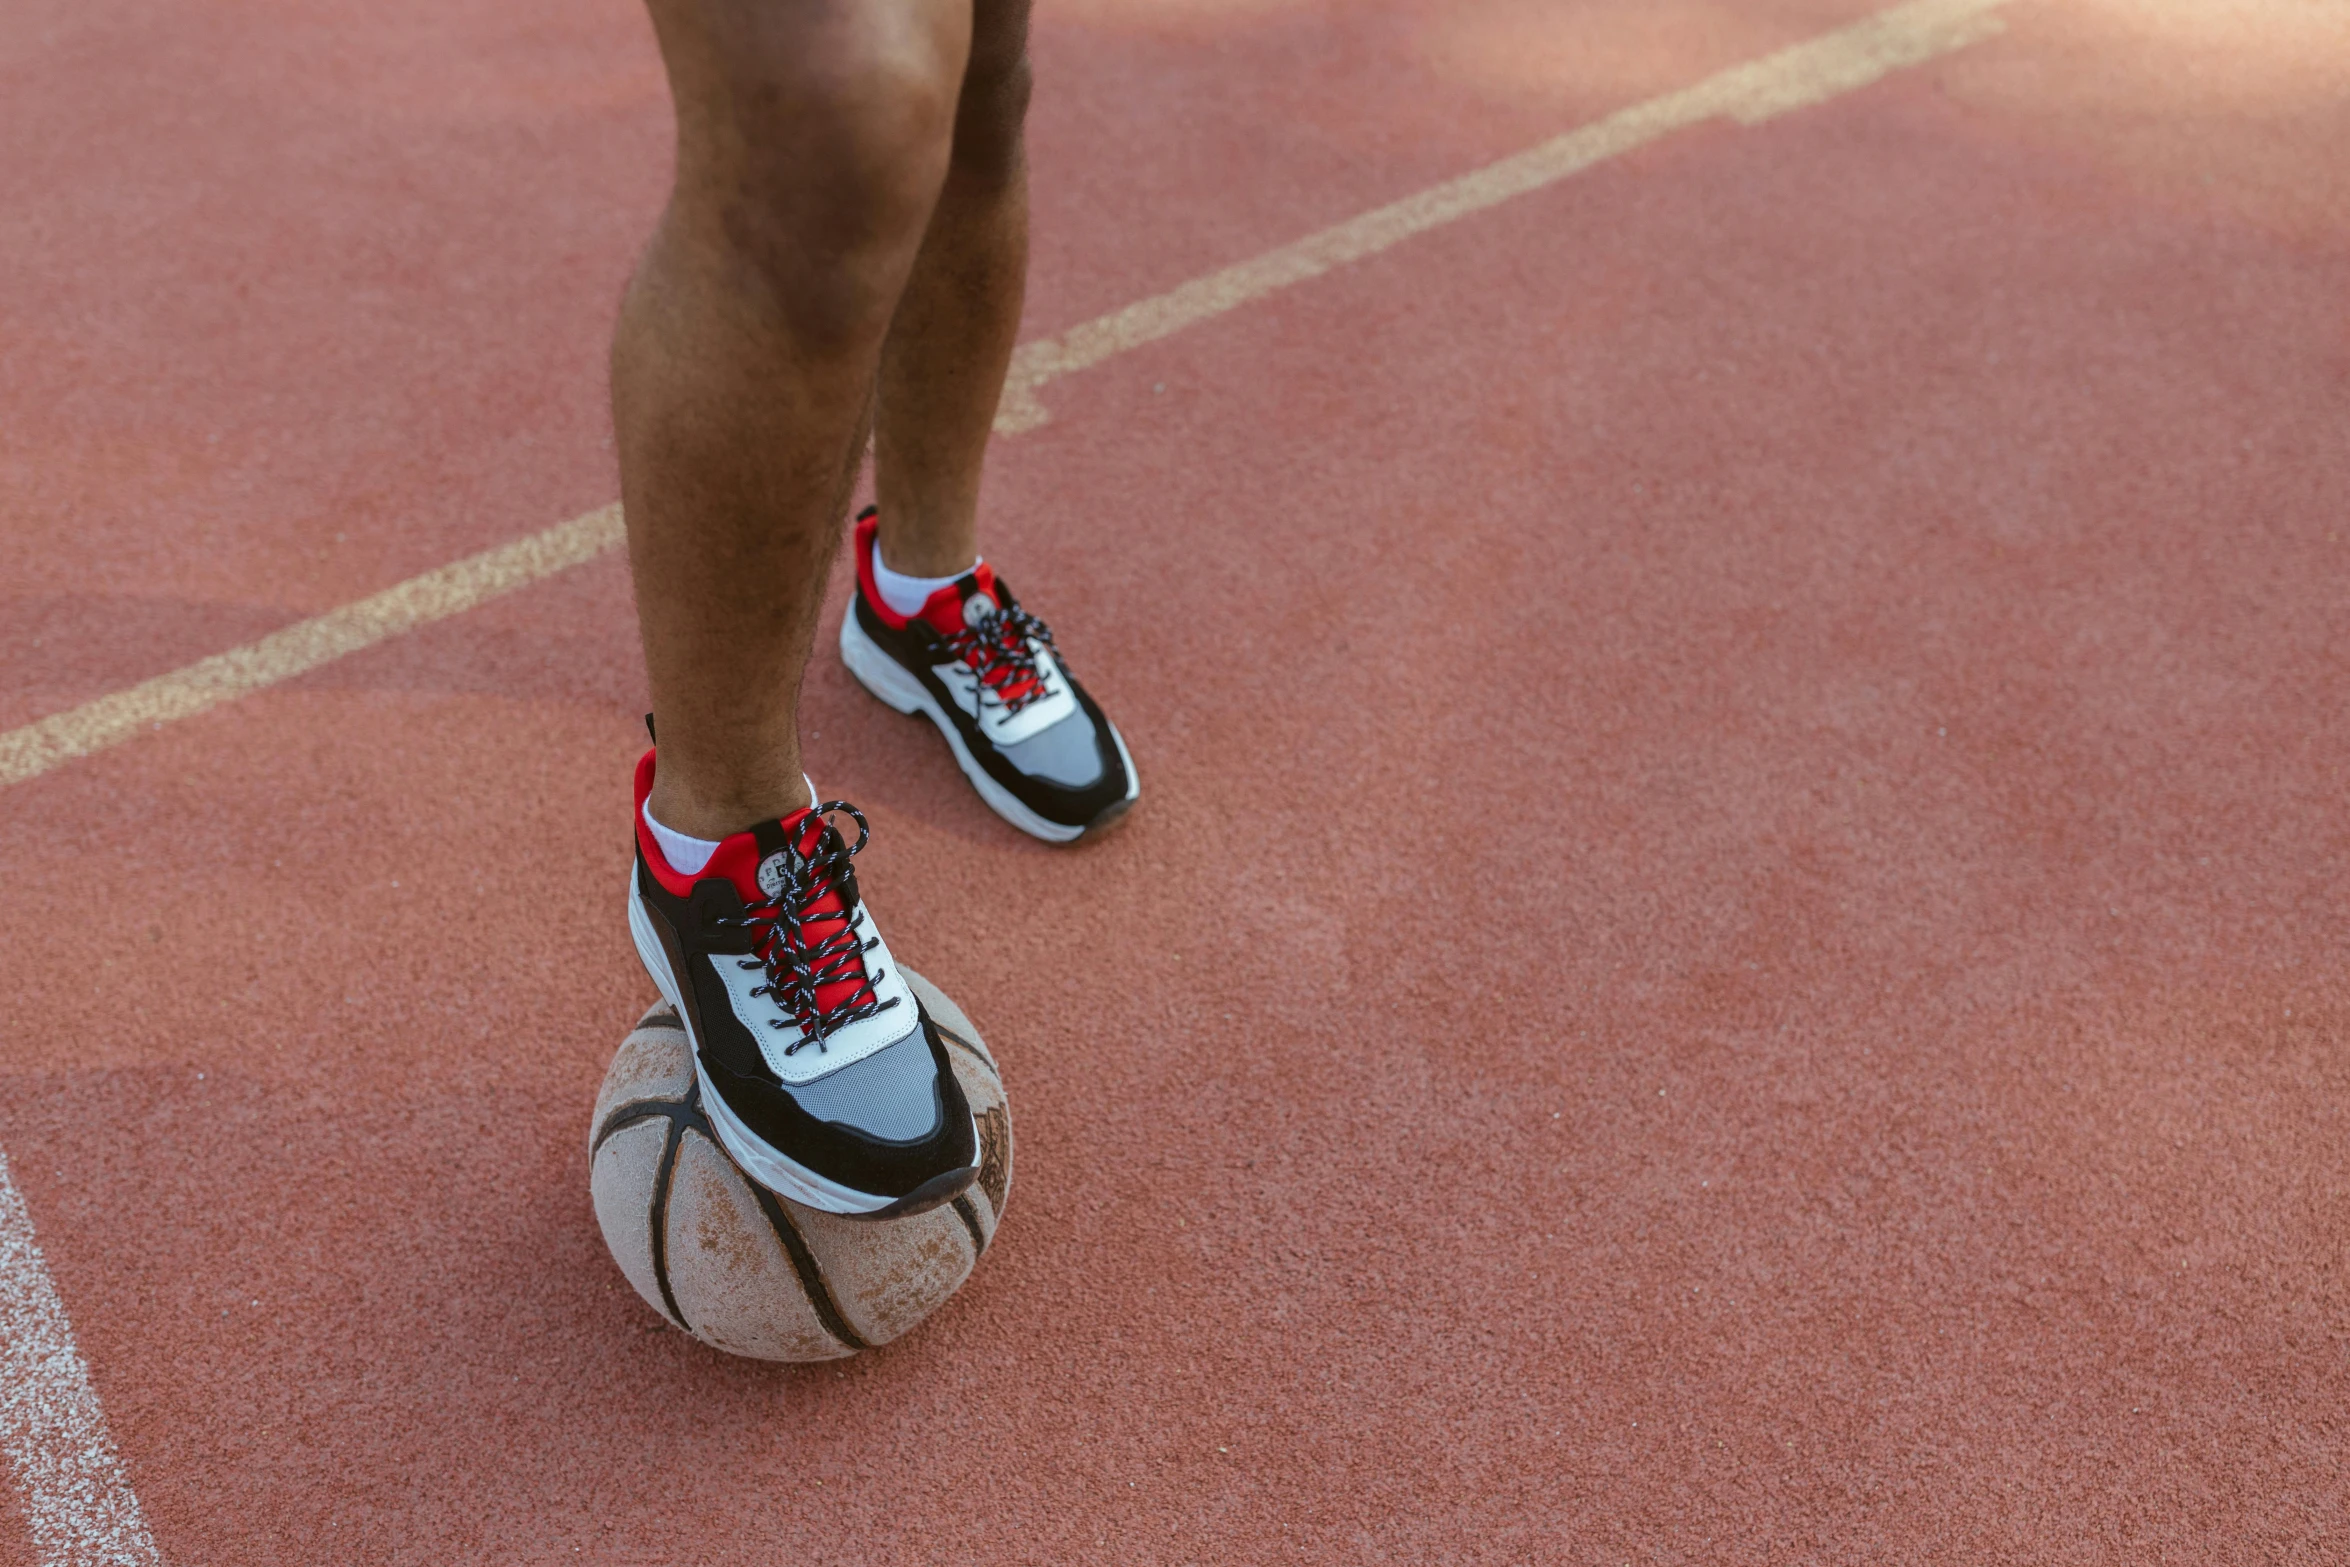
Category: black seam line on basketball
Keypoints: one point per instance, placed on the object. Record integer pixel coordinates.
(968, 1048)
(631, 1114)
(662, 1022)
(970, 1217)
(803, 1261)
(660, 1213)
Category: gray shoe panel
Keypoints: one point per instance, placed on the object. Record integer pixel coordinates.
(890, 1094)
(1065, 754)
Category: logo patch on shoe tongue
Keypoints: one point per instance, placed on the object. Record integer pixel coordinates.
(977, 608)
(772, 872)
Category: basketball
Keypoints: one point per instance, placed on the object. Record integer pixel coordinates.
(751, 1273)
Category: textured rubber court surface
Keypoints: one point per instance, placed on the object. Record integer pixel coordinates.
(1732, 953)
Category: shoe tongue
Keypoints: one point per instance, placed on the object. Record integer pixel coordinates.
(963, 604)
(963, 601)
(750, 859)
(771, 849)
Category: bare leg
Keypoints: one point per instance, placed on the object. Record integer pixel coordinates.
(813, 139)
(942, 368)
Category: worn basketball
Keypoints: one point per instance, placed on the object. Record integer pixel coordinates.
(749, 1272)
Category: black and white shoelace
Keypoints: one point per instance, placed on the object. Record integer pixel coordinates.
(1001, 648)
(803, 948)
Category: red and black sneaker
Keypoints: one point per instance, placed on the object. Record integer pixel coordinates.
(985, 671)
(820, 1071)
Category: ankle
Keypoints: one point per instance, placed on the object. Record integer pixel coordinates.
(926, 546)
(714, 810)
(906, 592)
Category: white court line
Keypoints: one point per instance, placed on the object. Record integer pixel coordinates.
(1825, 67)
(1806, 73)
(76, 1496)
(304, 645)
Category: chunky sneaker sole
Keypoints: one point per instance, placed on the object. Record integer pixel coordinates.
(823, 1077)
(1027, 736)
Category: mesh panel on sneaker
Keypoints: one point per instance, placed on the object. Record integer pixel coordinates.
(887, 1095)
(1065, 753)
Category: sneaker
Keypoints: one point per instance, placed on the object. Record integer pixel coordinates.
(821, 1073)
(985, 671)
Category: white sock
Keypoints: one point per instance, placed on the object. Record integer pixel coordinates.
(687, 856)
(906, 595)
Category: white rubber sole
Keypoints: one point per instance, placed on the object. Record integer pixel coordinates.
(783, 1176)
(880, 674)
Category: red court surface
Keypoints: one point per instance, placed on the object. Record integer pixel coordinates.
(1733, 947)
